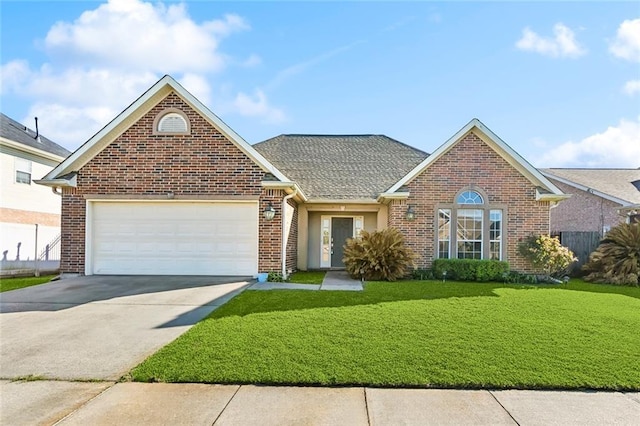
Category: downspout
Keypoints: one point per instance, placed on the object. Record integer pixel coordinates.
(284, 229)
(552, 205)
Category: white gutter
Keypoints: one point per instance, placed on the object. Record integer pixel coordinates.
(284, 230)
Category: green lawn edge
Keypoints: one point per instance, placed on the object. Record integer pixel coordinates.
(573, 336)
(9, 284)
(307, 277)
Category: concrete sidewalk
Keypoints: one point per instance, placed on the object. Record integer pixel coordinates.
(80, 403)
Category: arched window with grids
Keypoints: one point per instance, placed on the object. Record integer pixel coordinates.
(470, 228)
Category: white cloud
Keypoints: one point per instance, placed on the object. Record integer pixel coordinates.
(632, 87)
(198, 86)
(562, 44)
(617, 146)
(258, 106)
(627, 42)
(107, 57)
(136, 35)
(72, 124)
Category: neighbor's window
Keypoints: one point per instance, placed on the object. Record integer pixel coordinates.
(23, 171)
(171, 121)
(470, 228)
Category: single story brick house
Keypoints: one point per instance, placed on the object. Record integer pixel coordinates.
(168, 188)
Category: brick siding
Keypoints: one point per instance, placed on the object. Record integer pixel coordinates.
(583, 212)
(471, 162)
(140, 163)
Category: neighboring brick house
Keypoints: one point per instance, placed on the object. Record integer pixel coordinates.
(26, 155)
(168, 188)
(600, 198)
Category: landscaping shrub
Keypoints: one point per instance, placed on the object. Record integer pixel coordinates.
(547, 254)
(617, 258)
(422, 274)
(380, 255)
(515, 277)
(275, 277)
(470, 269)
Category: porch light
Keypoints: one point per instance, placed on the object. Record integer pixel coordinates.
(269, 212)
(410, 214)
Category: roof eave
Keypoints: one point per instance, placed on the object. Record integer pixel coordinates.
(63, 182)
(342, 201)
(386, 197)
(543, 196)
(288, 186)
(31, 150)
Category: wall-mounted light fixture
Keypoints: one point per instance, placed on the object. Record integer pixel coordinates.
(269, 212)
(410, 214)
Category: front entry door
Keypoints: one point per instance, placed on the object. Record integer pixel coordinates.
(341, 229)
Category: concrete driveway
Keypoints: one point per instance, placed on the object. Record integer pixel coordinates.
(99, 327)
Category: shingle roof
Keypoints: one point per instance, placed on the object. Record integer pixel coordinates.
(341, 166)
(617, 183)
(16, 132)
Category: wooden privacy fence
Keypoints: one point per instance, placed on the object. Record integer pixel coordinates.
(581, 244)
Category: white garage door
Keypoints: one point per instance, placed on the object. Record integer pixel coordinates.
(173, 238)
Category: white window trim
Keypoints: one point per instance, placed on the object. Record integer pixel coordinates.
(358, 226)
(22, 165)
(171, 112)
(486, 207)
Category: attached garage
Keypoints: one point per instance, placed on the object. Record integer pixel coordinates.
(172, 238)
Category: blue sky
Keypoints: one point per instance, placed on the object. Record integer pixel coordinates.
(558, 81)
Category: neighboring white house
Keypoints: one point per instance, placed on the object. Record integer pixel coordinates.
(24, 157)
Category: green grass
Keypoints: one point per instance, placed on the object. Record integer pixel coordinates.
(8, 284)
(426, 333)
(307, 277)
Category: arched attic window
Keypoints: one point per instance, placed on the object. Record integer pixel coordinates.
(171, 122)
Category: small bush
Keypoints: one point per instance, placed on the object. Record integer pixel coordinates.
(422, 274)
(275, 277)
(514, 277)
(380, 255)
(547, 254)
(470, 269)
(617, 258)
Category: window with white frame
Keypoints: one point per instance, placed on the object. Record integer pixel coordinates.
(495, 234)
(470, 228)
(444, 233)
(23, 171)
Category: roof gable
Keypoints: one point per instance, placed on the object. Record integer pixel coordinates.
(134, 112)
(341, 167)
(547, 190)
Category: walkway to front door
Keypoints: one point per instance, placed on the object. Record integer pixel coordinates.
(333, 280)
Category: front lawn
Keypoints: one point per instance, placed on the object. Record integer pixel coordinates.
(7, 284)
(469, 335)
(307, 277)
